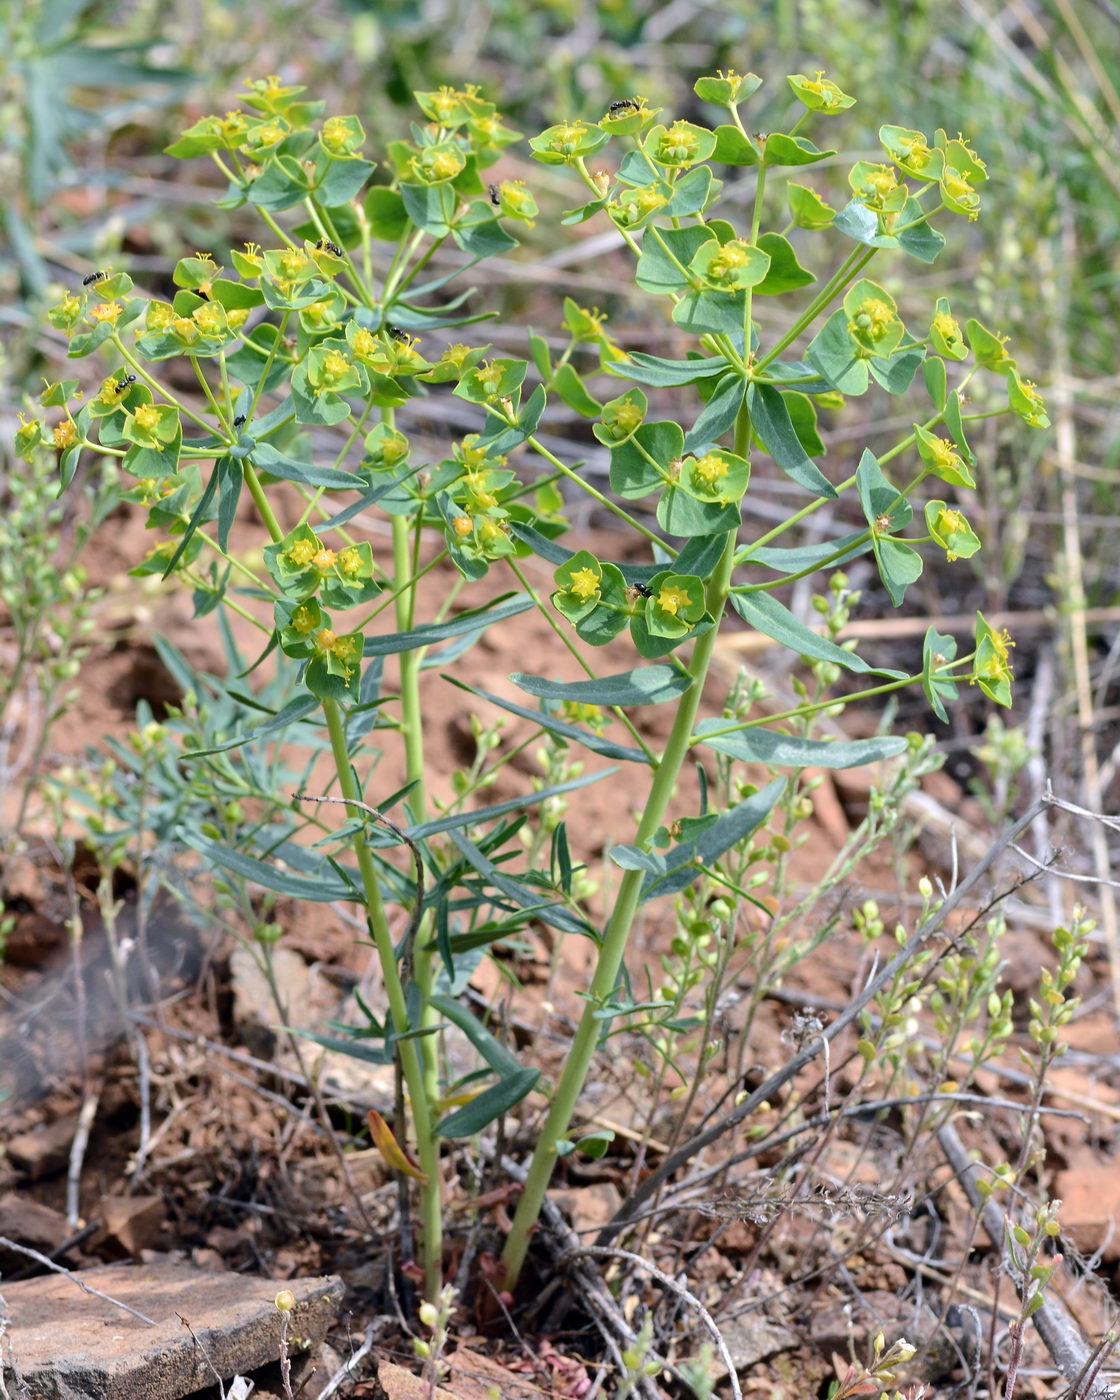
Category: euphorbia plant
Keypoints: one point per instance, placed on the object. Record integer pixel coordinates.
(329, 329)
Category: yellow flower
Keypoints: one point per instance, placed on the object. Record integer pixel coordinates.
(462, 525)
(711, 468)
(350, 561)
(323, 559)
(365, 342)
(947, 327)
(872, 317)
(672, 598)
(66, 434)
(147, 417)
(584, 583)
(304, 619)
(325, 639)
(302, 552)
(105, 311)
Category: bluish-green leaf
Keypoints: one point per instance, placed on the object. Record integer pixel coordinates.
(764, 612)
(276, 464)
(785, 274)
(645, 685)
(500, 1060)
(523, 895)
(759, 745)
(718, 414)
(490, 1104)
(666, 254)
(684, 860)
(835, 356)
(652, 370)
(429, 632)
(320, 888)
(897, 373)
(292, 712)
(588, 738)
(771, 421)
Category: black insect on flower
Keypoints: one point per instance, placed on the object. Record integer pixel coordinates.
(495, 195)
(122, 384)
(395, 333)
(645, 591)
(325, 245)
(93, 277)
(622, 104)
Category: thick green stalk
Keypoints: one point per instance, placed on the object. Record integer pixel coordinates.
(424, 967)
(431, 1203)
(582, 1051)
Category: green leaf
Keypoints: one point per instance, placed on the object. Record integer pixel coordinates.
(386, 212)
(679, 512)
(732, 147)
(500, 1060)
(777, 750)
(666, 254)
(765, 613)
(561, 728)
(884, 506)
(786, 274)
(652, 370)
(644, 685)
(498, 809)
(293, 711)
(937, 649)
(527, 898)
(718, 413)
(319, 888)
(899, 566)
(897, 374)
(836, 356)
(633, 474)
(771, 421)
(936, 379)
(805, 556)
(475, 620)
(490, 1104)
(732, 827)
(714, 313)
(357, 1047)
(780, 149)
(571, 388)
(921, 241)
(268, 459)
(862, 225)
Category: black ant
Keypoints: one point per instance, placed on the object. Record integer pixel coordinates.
(237, 422)
(395, 333)
(94, 277)
(123, 384)
(645, 591)
(623, 104)
(495, 195)
(324, 245)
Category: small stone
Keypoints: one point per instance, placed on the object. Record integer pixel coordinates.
(131, 1222)
(44, 1151)
(1090, 1195)
(26, 1222)
(753, 1338)
(588, 1207)
(69, 1345)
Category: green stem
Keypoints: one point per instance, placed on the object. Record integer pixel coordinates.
(427, 1148)
(615, 937)
(597, 495)
(566, 641)
(256, 490)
